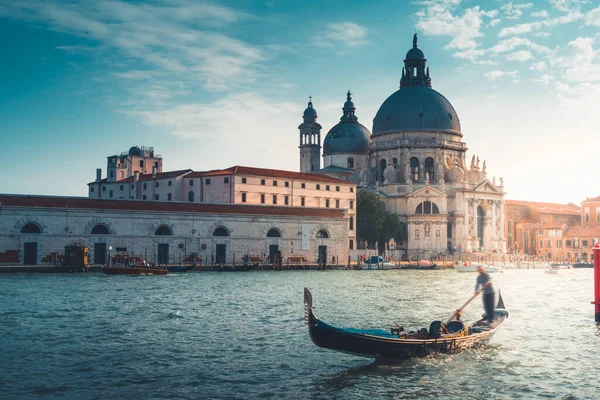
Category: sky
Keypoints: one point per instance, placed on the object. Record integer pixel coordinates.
(213, 84)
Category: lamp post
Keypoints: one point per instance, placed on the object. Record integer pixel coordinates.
(596, 302)
(109, 250)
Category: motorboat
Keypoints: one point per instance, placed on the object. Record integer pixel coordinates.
(560, 269)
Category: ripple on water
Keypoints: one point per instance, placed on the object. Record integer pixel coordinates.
(219, 335)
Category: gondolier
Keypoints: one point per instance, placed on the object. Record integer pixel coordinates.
(485, 281)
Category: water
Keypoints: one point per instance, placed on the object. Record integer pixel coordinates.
(241, 335)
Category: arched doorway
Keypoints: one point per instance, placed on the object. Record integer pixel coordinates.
(273, 247)
(30, 249)
(322, 255)
(480, 215)
(221, 248)
(163, 248)
(100, 248)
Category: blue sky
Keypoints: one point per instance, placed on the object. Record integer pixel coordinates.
(214, 84)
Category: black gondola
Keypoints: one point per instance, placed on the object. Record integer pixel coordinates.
(454, 337)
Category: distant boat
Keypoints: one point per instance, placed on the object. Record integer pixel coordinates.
(180, 268)
(560, 269)
(376, 262)
(395, 343)
(473, 268)
(583, 265)
(133, 271)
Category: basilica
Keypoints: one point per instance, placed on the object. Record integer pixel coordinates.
(415, 160)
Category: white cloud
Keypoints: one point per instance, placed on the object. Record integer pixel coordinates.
(514, 10)
(347, 34)
(539, 14)
(514, 42)
(539, 66)
(593, 17)
(497, 74)
(529, 27)
(439, 18)
(494, 22)
(520, 56)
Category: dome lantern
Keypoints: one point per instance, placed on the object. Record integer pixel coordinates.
(414, 71)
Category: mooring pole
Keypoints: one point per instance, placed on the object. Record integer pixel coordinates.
(596, 302)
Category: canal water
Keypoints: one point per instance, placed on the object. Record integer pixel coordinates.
(242, 335)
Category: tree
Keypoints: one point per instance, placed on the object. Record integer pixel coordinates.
(374, 223)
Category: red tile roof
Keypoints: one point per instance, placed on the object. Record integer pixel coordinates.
(270, 173)
(147, 177)
(578, 231)
(552, 225)
(9, 200)
(547, 208)
(593, 199)
(524, 220)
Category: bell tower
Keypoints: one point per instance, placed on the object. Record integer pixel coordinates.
(310, 140)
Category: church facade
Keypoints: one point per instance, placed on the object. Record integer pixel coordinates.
(415, 160)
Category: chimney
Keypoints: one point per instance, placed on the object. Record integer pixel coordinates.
(98, 174)
(135, 184)
(153, 172)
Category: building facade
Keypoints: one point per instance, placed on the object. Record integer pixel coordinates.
(529, 223)
(415, 160)
(34, 228)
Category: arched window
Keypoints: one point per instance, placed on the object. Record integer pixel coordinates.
(31, 227)
(351, 223)
(322, 234)
(429, 168)
(382, 167)
(414, 169)
(220, 231)
(480, 215)
(163, 230)
(274, 232)
(191, 196)
(427, 207)
(100, 229)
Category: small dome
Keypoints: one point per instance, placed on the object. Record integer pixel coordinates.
(135, 151)
(415, 54)
(310, 112)
(347, 137)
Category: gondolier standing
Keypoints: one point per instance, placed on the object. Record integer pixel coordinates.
(485, 281)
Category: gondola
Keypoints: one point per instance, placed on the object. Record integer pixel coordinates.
(419, 267)
(397, 344)
(134, 271)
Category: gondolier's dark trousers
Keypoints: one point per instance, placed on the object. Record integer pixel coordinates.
(488, 305)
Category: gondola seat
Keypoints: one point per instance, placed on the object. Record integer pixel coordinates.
(437, 329)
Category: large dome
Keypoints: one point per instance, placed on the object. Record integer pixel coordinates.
(347, 137)
(416, 108)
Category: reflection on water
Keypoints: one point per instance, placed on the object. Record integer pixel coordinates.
(220, 335)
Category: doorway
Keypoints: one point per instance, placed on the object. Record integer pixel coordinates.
(30, 256)
(163, 253)
(322, 254)
(221, 253)
(273, 249)
(100, 253)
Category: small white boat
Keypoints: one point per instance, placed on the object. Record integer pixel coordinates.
(560, 269)
(381, 265)
(473, 268)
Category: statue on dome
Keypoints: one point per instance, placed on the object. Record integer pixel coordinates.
(472, 162)
(484, 169)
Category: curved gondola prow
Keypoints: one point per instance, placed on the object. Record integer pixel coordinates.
(500, 301)
(307, 304)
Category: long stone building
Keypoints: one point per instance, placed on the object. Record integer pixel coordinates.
(33, 228)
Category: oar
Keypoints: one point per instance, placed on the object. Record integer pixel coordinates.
(467, 303)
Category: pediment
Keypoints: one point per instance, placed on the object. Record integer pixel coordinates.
(486, 187)
(426, 191)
